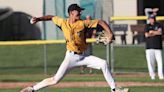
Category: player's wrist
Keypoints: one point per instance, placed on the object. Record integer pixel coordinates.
(38, 19)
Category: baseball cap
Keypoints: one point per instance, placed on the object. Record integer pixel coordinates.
(152, 17)
(74, 7)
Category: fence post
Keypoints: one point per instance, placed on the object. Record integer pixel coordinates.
(107, 53)
(111, 50)
(112, 57)
(44, 37)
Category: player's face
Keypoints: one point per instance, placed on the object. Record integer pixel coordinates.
(76, 14)
(151, 20)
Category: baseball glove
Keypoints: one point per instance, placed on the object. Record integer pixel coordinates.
(104, 38)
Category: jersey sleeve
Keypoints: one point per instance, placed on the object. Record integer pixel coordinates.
(57, 20)
(160, 26)
(146, 28)
(91, 23)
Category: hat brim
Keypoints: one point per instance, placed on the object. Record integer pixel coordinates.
(80, 9)
(151, 18)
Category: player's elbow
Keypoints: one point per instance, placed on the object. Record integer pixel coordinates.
(160, 33)
(101, 22)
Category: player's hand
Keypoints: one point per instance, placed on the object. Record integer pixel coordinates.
(155, 9)
(109, 40)
(151, 33)
(105, 38)
(34, 20)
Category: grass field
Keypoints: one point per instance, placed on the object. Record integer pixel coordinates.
(27, 62)
(72, 78)
(30, 59)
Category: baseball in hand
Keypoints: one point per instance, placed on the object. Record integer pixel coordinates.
(32, 21)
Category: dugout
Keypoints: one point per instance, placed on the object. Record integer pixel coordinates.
(16, 26)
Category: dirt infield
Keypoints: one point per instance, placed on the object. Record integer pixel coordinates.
(78, 84)
(88, 84)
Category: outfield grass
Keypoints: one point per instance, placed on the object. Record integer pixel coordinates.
(25, 64)
(130, 59)
(30, 59)
(97, 89)
(72, 78)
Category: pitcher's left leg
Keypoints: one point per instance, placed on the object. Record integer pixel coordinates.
(97, 63)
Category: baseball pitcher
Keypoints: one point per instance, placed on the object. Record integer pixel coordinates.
(74, 33)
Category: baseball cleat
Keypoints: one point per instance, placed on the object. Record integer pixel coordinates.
(27, 89)
(152, 78)
(161, 78)
(121, 90)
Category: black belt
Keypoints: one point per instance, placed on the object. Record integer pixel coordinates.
(79, 53)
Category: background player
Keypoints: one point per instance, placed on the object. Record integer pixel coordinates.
(153, 34)
(74, 33)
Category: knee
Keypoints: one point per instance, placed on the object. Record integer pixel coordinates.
(51, 81)
(54, 80)
(104, 64)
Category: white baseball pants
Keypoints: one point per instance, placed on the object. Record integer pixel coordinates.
(72, 60)
(153, 55)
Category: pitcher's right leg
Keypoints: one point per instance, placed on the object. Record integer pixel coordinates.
(52, 80)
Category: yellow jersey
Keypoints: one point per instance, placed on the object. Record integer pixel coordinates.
(75, 33)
